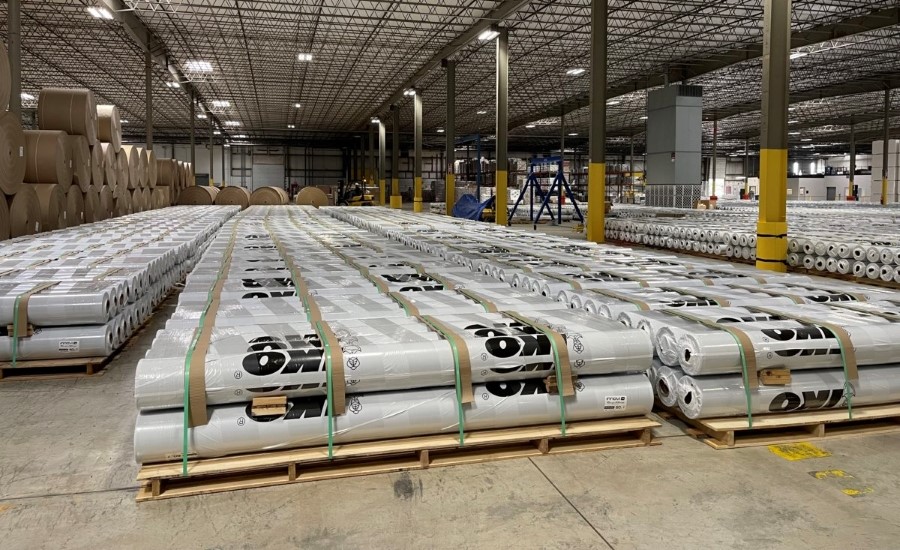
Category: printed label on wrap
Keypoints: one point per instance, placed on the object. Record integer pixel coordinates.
(615, 403)
(69, 345)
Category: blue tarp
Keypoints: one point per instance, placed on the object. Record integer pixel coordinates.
(469, 208)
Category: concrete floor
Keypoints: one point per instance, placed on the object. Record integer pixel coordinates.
(67, 480)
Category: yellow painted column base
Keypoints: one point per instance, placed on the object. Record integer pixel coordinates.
(382, 193)
(771, 246)
(884, 191)
(596, 217)
(417, 194)
(396, 201)
(450, 193)
(417, 205)
(501, 216)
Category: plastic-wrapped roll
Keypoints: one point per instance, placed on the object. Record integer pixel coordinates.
(74, 207)
(110, 167)
(48, 157)
(133, 157)
(82, 170)
(4, 78)
(53, 205)
(666, 384)
(234, 196)
(166, 172)
(231, 429)
(107, 202)
(24, 212)
(717, 396)
(98, 165)
(67, 303)
(198, 195)
(152, 167)
(123, 172)
(312, 196)
(70, 110)
(61, 343)
(109, 126)
(269, 196)
(12, 147)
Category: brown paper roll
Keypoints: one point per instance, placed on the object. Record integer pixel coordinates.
(110, 166)
(233, 196)
(107, 202)
(4, 82)
(98, 165)
(53, 205)
(92, 210)
(133, 157)
(109, 126)
(165, 172)
(198, 195)
(143, 167)
(71, 110)
(269, 195)
(147, 197)
(12, 151)
(160, 197)
(312, 196)
(81, 162)
(152, 170)
(74, 207)
(4, 217)
(24, 212)
(137, 204)
(123, 204)
(123, 172)
(47, 157)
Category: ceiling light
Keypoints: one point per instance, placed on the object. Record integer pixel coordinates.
(793, 133)
(291, 126)
(240, 136)
(100, 13)
(489, 34)
(797, 55)
(806, 139)
(529, 125)
(221, 103)
(643, 118)
(791, 108)
(173, 85)
(440, 130)
(232, 123)
(123, 121)
(27, 97)
(201, 116)
(297, 105)
(227, 145)
(573, 134)
(198, 66)
(575, 72)
(793, 121)
(482, 112)
(409, 93)
(217, 133)
(304, 57)
(613, 102)
(375, 120)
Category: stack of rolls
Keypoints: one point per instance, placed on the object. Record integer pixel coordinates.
(269, 196)
(198, 195)
(234, 196)
(12, 165)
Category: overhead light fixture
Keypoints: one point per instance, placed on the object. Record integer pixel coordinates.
(806, 139)
(304, 57)
(644, 118)
(291, 126)
(221, 103)
(375, 120)
(217, 133)
(793, 121)
(793, 133)
(440, 130)
(791, 108)
(201, 116)
(482, 112)
(27, 97)
(529, 125)
(99, 13)
(613, 102)
(232, 123)
(573, 133)
(489, 33)
(240, 136)
(173, 85)
(409, 92)
(227, 145)
(297, 105)
(198, 66)
(123, 121)
(798, 55)
(575, 72)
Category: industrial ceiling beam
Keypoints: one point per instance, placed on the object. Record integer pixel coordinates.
(501, 12)
(688, 68)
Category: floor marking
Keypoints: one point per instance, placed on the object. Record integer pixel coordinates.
(823, 474)
(858, 492)
(798, 451)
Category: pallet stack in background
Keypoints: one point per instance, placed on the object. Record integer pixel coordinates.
(74, 168)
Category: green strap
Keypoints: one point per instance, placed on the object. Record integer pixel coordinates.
(746, 376)
(848, 387)
(15, 334)
(459, 405)
(329, 387)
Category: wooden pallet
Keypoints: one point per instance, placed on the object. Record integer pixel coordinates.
(773, 429)
(160, 481)
(54, 368)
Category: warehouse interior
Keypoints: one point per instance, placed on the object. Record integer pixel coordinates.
(446, 273)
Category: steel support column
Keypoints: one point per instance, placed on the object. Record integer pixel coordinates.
(14, 26)
(450, 131)
(382, 150)
(631, 167)
(370, 164)
(771, 230)
(212, 171)
(596, 215)
(193, 123)
(396, 199)
(223, 164)
(148, 98)
(852, 159)
(715, 156)
(746, 167)
(417, 152)
(884, 148)
(501, 195)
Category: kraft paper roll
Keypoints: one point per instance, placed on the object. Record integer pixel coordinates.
(312, 196)
(98, 165)
(152, 167)
(133, 159)
(123, 204)
(53, 205)
(147, 198)
(109, 126)
(110, 167)
(4, 78)
(234, 196)
(143, 167)
(82, 170)
(70, 110)
(269, 196)
(92, 210)
(74, 207)
(4, 219)
(107, 202)
(179, 175)
(198, 195)
(47, 157)
(165, 172)
(123, 172)
(160, 197)
(12, 150)
(24, 212)
(137, 200)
